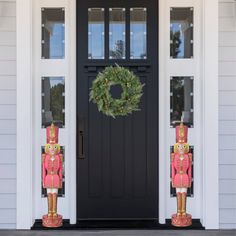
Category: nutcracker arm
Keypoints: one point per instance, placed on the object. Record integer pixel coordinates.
(61, 167)
(190, 169)
(43, 169)
(172, 168)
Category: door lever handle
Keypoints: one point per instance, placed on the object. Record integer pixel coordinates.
(81, 139)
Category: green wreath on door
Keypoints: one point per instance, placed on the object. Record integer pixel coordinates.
(130, 96)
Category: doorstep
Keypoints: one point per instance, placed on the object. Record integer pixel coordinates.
(118, 224)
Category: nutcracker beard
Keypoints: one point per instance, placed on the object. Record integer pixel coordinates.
(52, 202)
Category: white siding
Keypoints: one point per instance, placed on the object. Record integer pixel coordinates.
(227, 113)
(7, 114)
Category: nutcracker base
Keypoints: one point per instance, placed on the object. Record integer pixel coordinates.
(181, 221)
(52, 222)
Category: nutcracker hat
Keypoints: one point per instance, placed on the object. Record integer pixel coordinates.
(52, 134)
(181, 133)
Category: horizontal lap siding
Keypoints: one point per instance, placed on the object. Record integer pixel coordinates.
(227, 113)
(7, 114)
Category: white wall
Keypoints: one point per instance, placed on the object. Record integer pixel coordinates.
(7, 114)
(227, 113)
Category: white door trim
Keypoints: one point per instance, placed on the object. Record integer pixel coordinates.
(210, 204)
(26, 154)
(210, 177)
(24, 114)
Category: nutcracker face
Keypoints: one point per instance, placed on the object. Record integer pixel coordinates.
(181, 148)
(52, 149)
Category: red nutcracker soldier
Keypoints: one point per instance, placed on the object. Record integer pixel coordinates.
(181, 171)
(52, 169)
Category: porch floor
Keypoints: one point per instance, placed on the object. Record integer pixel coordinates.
(119, 233)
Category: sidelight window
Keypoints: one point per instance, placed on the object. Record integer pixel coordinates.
(53, 33)
(181, 32)
(53, 101)
(52, 64)
(181, 100)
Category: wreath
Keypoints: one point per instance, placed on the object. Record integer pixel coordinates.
(130, 96)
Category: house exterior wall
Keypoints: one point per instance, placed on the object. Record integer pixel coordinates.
(227, 113)
(7, 114)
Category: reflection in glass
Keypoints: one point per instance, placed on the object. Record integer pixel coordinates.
(61, 192)
(96, 33)
(190, 192)
(53, 101)
(181, 100)
(117, 33)
(53, 33)
(181, 32)
(138, 33)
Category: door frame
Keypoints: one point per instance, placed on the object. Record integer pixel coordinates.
(26, 120)
(124, 62)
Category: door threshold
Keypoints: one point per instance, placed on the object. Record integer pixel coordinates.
(118, 225)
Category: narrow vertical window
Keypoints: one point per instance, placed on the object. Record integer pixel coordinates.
(181, 100)
(117, 33)
(181, 32)
(53, 101)
(53, 33)
(96, 33)
(138, 33)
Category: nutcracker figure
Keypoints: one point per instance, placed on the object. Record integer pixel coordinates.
(181, 175)
(52, 169)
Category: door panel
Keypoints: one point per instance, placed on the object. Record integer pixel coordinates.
(117, 174)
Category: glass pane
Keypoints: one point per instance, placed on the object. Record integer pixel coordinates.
(117, 33)
(181, 32)
(181, 100)
(53, 33)
(96, 33)
(190, 192)
(138, 33)
(61, 192)
(53, 101)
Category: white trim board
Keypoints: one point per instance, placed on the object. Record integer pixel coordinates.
(26, 121)
(24, 114)
(210, 103)
(209, 118)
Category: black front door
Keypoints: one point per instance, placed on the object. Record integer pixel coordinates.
(117, 167)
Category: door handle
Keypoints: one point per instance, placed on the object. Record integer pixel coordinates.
(81, 139)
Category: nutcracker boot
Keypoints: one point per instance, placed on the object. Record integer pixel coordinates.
(183, 208)
(50, 205)
(54, 208)
(178, 197)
